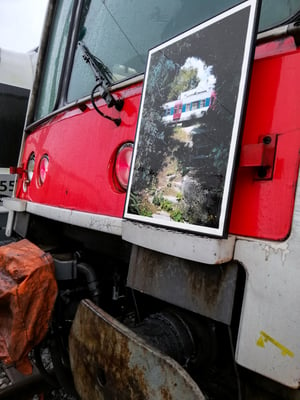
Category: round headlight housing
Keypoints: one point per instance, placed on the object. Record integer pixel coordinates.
(122, 164)
(30, 167)
(43, 169)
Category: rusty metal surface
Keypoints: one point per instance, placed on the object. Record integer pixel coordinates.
(110, 362)
(205, 289)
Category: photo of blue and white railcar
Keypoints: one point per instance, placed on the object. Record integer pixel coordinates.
(190, 105)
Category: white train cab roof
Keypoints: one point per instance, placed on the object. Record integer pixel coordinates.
(17, 69)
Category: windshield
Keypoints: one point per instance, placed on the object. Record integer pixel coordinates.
(119, 35)
(277, 12)
(57, 45)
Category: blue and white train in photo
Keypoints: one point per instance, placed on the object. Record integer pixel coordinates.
(190, 105)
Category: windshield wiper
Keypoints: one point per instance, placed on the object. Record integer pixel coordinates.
(103, 78)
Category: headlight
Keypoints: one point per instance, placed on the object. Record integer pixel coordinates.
(43, 169)
(30, 166)
(122, 164)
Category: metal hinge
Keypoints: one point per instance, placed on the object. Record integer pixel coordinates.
(260, 156)
(17, 170)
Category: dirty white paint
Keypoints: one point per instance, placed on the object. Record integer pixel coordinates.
(179, 244)
(95, 222)
(280, 249)
(268, 341)
(17, 69)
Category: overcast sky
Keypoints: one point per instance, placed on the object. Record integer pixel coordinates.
(21, 23)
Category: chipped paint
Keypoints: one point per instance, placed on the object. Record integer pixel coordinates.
(264, 338)
(279, 248)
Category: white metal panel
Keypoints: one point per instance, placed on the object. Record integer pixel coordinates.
(13, 204)
(102, 223)
(268, 341)
(17, 69)
(179, 244)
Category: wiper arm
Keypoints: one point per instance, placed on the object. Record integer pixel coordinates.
(103, 77)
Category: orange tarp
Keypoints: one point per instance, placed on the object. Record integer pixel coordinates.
(28, 291)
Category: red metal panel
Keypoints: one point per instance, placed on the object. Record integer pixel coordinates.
(264, 208)
(81, 146)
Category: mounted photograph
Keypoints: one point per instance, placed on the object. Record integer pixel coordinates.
(188, 128)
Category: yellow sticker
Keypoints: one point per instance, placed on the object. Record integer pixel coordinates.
(264, 338)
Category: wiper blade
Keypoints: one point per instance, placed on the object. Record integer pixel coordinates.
(103, 77)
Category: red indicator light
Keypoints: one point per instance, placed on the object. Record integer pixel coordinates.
(122, 165)
(43, 169)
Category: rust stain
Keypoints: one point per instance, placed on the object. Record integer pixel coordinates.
(162, 275)
(100, 351)
(165, 394)
(106, 352)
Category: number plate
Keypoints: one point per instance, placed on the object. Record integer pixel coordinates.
(6, 185)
